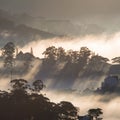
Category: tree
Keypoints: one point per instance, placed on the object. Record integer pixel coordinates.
(73, 56)
(97, 62)
(66, 111)
(84, 51)
(95, 113)
(38, 85)
(19, 84)
(99, 59)
(8, 53)
(84, 55)
(50, 53)
(20, 104)
(116, 60)
(61, 54)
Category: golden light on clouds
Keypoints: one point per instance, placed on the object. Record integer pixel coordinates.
(107, 46)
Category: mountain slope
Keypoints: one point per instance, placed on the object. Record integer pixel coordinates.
(20, 34)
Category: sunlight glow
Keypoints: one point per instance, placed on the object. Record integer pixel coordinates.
(107, 46)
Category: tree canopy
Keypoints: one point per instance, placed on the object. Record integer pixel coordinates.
(21, 104)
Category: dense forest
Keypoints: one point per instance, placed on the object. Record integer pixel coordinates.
(63, 84)
(63, 67)
(24, 101)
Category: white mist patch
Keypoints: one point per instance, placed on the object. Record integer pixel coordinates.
(105, 45)
(35, 67)
(84, 103)
(4, 83)
(82, 84)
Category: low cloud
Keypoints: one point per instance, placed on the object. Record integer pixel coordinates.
(105, 45)
(110, 108)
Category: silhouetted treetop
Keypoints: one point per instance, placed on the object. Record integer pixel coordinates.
(116, 60)
(20, 104)
(38, 85)
(8, 53)
(95, 113)
(19, 84)
(50, 53)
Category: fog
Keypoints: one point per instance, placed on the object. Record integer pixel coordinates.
(33, 70)
(105, 45)
(105, 13)
(4, 83)
(108, 103)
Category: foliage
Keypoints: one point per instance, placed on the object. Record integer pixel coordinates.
(116, 60)
(38, 85)
(50, 53)
(67, 111)
(8, 52)
(19, 84)
(95, 113)
(20, 104)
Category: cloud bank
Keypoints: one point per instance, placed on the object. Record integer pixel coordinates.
(105, 45)
(84, 103)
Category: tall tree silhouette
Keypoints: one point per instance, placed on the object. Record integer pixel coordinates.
(38, 85)
(116, 60)
(66, 111)
(50, 54)
(95, 113)
(96, 62)
(22, 104)
(84, 56)
(8, 53)
(61, 54)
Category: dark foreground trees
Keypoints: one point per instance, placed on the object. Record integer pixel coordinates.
(24, 102)
(95, 113)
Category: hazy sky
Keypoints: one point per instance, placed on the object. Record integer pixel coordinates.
(63, 8)
(104, 13)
